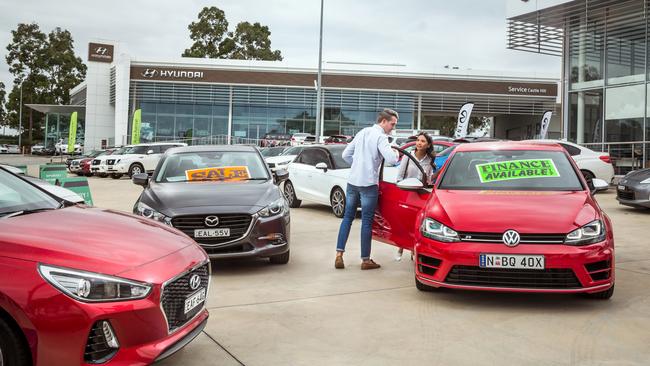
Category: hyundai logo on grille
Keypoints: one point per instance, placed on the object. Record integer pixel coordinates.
(211, 221)
(511, 238)
(195, 281)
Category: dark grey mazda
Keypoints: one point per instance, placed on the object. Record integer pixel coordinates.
(224, 197)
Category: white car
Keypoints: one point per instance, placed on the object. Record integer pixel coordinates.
(61, 147)
(301, 138)
(283, 160)
(592, 164)
(3, 150)
(37, 149)
(141, 158)
(13, 149)
(98, 165)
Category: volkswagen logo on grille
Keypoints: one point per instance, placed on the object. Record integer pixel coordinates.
(195, 281)
(211, 221)
(511, 238)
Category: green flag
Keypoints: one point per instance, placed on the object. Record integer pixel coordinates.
(135, 128)
(72, 135)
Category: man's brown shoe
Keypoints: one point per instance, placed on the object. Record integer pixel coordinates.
(369, 264)
(338, 262)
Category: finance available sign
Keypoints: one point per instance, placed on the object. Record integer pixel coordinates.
(516, 169)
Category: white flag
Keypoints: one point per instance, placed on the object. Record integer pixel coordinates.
(463, 120)
(546, 120)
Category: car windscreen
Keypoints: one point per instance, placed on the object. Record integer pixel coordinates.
(272, 151)
(446, 151)
(212, 166)
(528, 170)
(18, 195)
(137, 150)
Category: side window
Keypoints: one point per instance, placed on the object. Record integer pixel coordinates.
(155, 148)
(308, 156)
(572, 150)
(322, 157)
(438, 148)
(164, 148)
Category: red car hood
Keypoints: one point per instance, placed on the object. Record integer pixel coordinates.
(89, 239)
(524, 211)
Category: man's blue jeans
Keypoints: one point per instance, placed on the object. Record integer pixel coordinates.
(367, 196)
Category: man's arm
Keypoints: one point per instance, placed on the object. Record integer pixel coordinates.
(386, 151)
(348, 152)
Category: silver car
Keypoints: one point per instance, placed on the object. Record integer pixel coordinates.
(634, 189)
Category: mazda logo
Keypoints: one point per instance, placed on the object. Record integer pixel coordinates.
(101, 50)
(195, 281)
(511, 238)
(211, 221)
(149, 73)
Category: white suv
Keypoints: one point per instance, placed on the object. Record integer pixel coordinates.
(141, 158)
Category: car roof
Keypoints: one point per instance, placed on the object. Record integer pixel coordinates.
(508, 145)
(203, 148)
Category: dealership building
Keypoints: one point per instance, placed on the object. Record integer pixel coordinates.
(604, 48)
(216, 101)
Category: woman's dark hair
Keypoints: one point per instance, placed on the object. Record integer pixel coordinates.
(429, 151)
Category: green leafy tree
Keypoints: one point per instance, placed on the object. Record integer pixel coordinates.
(3, 112)
(45, 67)
(212, 39)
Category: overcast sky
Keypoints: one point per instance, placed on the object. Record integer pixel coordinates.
(425, 35)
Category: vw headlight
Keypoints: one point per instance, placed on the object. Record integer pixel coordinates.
(93, 287)
(434, 230)
(148, 212)
(593, 232)
(275, 208)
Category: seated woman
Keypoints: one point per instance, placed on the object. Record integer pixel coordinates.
(424, 154)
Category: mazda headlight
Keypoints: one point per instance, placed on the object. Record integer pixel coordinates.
(432, 229)
(93, 287)
(148, 212)
(275, 208)
(593, 232)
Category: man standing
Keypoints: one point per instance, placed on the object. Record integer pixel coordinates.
(365, 153)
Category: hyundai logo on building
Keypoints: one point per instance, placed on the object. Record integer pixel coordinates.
(101, 50)
(211, 221)
(149, 73)
(171, 74)
(195, 281)
(511, 238)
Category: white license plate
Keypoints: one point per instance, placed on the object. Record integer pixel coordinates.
(511, 261)
(194, 300)
(621, 188)
(212, 233)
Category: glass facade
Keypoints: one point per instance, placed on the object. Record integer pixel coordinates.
(608, 103)
(57, 126)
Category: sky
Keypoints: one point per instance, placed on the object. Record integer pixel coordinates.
(424, 35)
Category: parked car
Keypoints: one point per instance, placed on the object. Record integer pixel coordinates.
(59, 192)
(276, 139)
(3, 149)
(37, 149)
(507, 216)
(224, 197)
(141, 158)
(61, 147)
(634, 189)
(299, 138)
(319, 174)
(98, 165)
(13, 149)
(592, 164)
(338, 139)
(81, 166)
(283, 160)
(132, 295)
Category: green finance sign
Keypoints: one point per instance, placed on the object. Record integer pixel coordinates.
(516, 169)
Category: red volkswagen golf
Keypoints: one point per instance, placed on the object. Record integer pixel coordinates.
(130, 293)
(503, 216)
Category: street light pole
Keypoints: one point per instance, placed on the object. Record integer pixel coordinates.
(320, 71)
(20, 118)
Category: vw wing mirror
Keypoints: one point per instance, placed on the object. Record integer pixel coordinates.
(141, 179)
(410, 184)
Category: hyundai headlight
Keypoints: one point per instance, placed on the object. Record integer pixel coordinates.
(148, 212)
(276, 207)
(593, 232)
(432, 229)
(93, 287)
(645, 181)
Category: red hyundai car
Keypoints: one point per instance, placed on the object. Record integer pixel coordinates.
(132, 293)
(502, 216)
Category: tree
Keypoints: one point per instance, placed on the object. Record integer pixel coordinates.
(46, 68)
(212, 39)
(3, 113)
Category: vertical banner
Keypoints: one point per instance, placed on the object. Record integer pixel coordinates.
(72, 135)
(135, 128)
(463, 120)
(546, 121)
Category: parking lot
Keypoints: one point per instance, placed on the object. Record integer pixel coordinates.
(307, 312)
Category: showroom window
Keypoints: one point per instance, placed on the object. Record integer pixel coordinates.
(585, 116)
